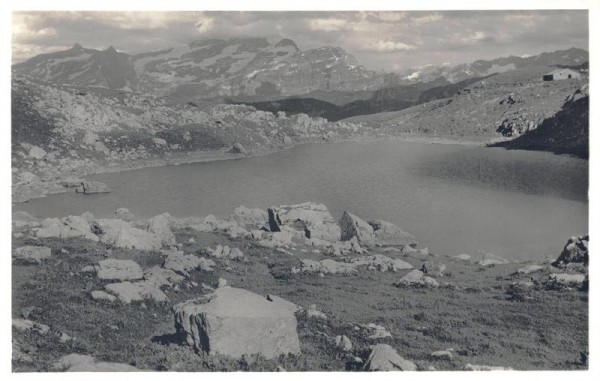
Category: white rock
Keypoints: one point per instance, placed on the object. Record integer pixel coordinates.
(127, 292)
(32, 254)
(119, 269)
(385, 358)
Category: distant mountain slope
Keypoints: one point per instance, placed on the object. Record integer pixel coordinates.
(504, 105)
(567, 132)
(384, 100)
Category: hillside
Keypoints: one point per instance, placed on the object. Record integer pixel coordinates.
(504, 105)
(567, 132)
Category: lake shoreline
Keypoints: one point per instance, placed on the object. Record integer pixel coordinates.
(46, 188)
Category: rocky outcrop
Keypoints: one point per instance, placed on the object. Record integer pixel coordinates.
(311, 219)
(237, 148)
(385, 358)
(235, 322)
(489, 259)
(575, 251)
(91, 187)
(68, 227)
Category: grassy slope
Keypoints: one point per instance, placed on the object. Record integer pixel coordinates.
(476, 318)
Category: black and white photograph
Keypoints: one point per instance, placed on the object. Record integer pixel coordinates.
(311, 190)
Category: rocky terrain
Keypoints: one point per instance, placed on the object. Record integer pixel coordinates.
(567, 132)
(288, 288)
(61, 133)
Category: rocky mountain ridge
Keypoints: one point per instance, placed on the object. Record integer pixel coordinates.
(253, 67)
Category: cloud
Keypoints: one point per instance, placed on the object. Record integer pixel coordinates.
(327, 25)
(390, 46)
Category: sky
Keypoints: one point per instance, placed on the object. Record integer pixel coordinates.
(382, 41)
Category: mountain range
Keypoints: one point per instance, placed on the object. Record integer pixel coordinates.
(252, 67)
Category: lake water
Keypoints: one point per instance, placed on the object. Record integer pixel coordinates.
(454, 199)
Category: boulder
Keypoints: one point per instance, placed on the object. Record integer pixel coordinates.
(382, 263)
(312, 220)
(343, 343)
(235, 322)
(119, 269)
(68, 227)
(575, 251)
(237, 148)
(159, 277)
(442, 355)
(160, 227)
(92, 187)
(327, 266)
(183, 264)
(128, 292)
(485, 367)
(530, 269)
(416, 278)
(434, 269)
(84, 363)
(376, 331)
(101, 295)
(490, 259)
(388, 234)
(463, 257)
(37, 153)
(352, 226)
(124, 214)
(119, 233)
(246, 217)
(567, 280)
(32, 254)
(385, 358)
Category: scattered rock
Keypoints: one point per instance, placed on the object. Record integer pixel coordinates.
(159, 277)
(433, 268)
(489, 259)
(327, 266)
(238, 149)
(68, 227)
(127, 292)
(442, 355)
(416, 278)
(119, 269)
(36, 153)
(32, 254)
(312, 312)
(463, 257)
(183, 264)
(160, 227)
(530, 269)
(101, 295)
(382, 263)
(385, 358)
(566, 280)
(235, 322)
(84, 363)
(484, 367)
(343, 343)
(24, 325)
(377, 331)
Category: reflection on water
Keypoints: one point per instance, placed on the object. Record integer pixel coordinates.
(453, 198)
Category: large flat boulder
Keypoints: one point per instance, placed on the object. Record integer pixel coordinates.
(119, 233)
(235, 322)
(119, 269)
(388, 234)
(68, 227)
(385, 358)
(313, 220)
